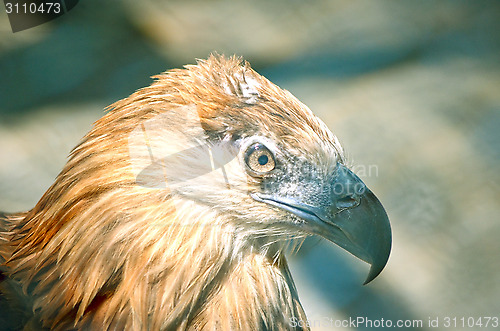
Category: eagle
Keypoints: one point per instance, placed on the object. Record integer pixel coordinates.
(176, 210)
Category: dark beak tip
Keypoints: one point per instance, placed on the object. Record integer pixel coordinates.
(379, 260)
(375, 270)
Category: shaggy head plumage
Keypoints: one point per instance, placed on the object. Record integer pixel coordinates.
(175, 210)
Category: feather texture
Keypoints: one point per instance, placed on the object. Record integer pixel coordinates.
(100, 251)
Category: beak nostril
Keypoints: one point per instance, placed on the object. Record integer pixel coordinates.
(349, 201)
(359, 188)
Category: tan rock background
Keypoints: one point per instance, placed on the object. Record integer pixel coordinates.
(412, 89)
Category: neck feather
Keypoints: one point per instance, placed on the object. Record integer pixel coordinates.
(170, 271)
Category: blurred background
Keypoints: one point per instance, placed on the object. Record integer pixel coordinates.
(411, 88)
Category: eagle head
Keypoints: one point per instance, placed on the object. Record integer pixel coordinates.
(252, 153)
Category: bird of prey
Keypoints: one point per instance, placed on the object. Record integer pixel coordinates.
(175, 211)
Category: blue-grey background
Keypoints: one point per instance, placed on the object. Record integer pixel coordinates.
(411, 88)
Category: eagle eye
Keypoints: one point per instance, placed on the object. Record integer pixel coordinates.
(259, 159)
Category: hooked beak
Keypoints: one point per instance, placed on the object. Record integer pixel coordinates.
(354, 219)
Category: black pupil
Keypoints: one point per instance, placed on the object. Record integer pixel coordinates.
(262, 159)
